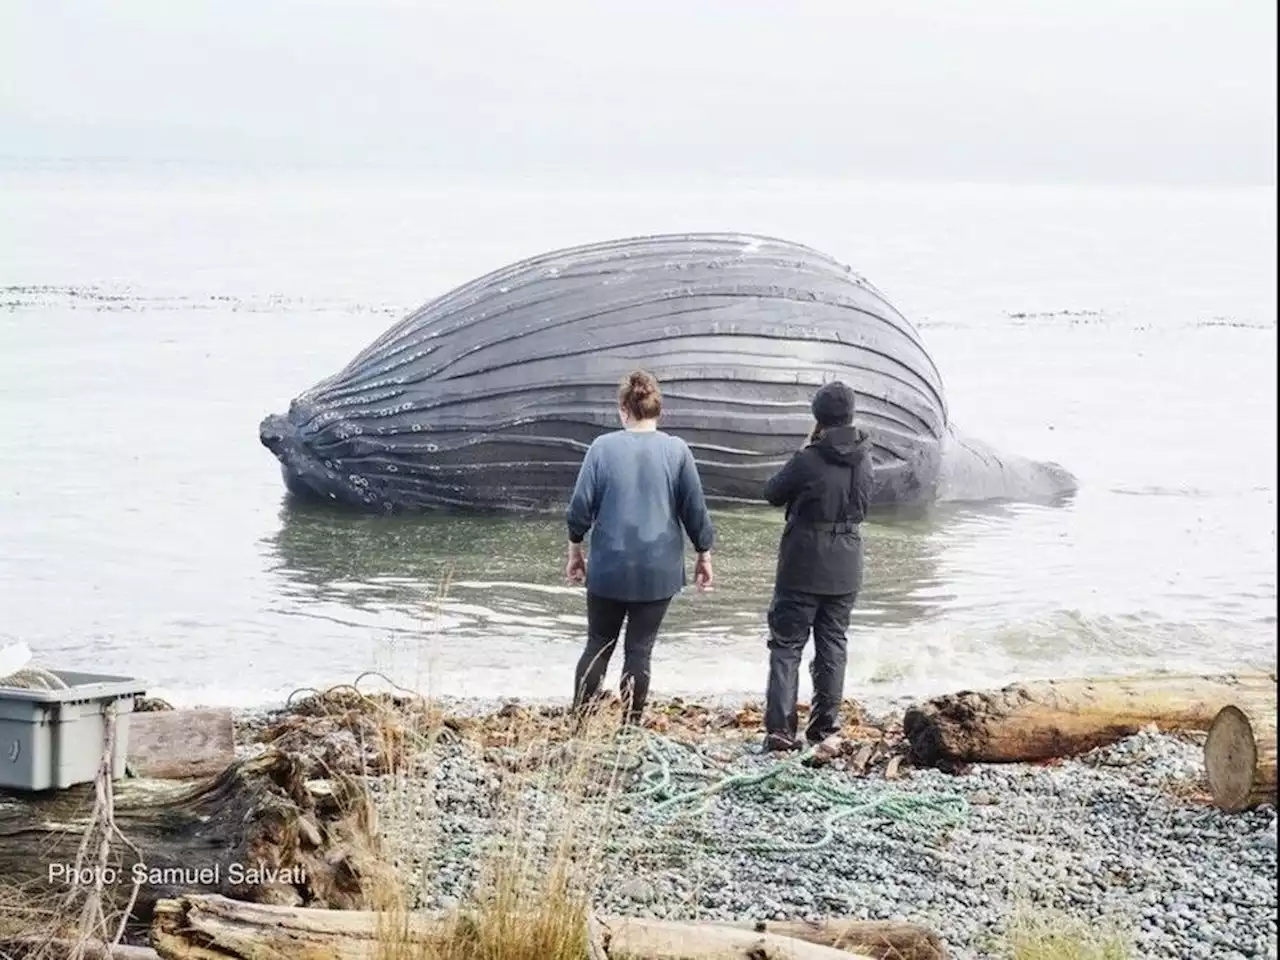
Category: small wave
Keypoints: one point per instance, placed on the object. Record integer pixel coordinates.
(533, 659)
(1190, 493)
(1234, 323)
(346, 622)
(1093, 318)
(926, 324)
(514, 585)
(1070, 316)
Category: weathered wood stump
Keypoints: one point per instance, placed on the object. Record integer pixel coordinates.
(1240, 756)
(1050, 719)
(214, 928)
(262, 830)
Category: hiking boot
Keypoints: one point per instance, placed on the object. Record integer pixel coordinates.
(781, 743)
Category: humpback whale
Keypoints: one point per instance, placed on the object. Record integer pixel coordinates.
(487, 397)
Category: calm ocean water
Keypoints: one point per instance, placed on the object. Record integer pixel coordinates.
(150, 318)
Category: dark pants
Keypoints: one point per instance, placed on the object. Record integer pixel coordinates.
(791, 616)
(604, 623)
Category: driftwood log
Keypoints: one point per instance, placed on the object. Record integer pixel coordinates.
(1240, 756)
(636, 939)
(20, 947)
(262, 830)
(215, 928)
(882, 939)
(1050, 719)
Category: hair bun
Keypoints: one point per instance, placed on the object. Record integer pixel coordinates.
(641, 395)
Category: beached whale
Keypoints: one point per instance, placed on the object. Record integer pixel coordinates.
(488, 396)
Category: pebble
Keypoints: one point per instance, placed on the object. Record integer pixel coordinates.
(1112, 837)
(637, 889)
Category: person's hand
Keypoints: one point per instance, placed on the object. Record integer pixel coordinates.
(702, 575)
(575, 570)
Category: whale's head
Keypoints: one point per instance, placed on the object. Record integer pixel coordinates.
(308, 476)
(274, 432)
(304, 476)
(974, 472)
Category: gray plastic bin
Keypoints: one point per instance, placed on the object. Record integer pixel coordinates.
(53, 739)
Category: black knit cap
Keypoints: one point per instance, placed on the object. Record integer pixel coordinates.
(833, 405)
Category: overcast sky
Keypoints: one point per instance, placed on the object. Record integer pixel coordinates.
(993, 90)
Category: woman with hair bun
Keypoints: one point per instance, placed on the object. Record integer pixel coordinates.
(638, 494)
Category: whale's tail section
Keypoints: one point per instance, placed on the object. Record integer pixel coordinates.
(972, 471)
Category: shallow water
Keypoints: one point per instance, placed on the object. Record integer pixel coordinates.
(149, 319)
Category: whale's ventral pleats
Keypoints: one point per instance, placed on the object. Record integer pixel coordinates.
(488, 396)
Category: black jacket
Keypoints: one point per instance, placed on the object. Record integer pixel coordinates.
(826, 488)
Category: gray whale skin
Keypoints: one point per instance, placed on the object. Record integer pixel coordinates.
(487, 397)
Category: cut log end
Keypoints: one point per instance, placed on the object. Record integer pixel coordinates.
(1049, 719)
(1240, 759)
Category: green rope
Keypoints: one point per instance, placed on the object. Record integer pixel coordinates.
(663, 770)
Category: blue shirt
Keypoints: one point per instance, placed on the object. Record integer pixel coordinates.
(636, 489)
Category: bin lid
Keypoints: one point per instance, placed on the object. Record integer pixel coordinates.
(80, 686)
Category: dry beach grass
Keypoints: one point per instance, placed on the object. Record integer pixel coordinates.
(1035, 935)
(533, 898)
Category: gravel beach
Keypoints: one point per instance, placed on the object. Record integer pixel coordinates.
(1122, 836)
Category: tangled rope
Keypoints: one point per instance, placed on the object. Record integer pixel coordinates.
(34, 678)
(670, 788)
(354, 688)
(677, 786)
(17, 671)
